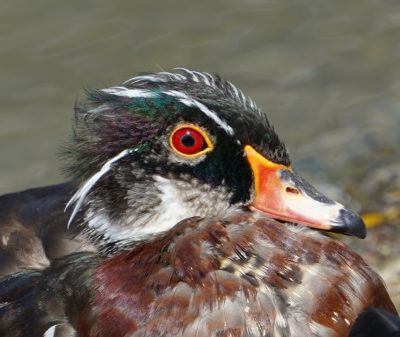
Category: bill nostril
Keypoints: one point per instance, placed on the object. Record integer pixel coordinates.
(292, 190)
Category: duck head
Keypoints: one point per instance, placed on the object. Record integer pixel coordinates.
(172, 145)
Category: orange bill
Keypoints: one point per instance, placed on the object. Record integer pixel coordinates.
(282, 194)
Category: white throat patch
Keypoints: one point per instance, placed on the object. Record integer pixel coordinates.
(177, 200)
(166, 215)
(170, 211)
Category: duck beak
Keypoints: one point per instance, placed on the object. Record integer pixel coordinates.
(282, 194)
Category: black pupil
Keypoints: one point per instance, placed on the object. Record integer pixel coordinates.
(187, 140)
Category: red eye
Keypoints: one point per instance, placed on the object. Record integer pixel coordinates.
(190, 141)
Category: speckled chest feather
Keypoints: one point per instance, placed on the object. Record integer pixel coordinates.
(241, 276)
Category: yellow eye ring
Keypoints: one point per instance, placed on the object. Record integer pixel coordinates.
(190, 141)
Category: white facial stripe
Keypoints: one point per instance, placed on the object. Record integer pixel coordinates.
(50, 331)
(210, 114)
(83, 191)
(177, 94)
(132, 93)
(189, 75)
(183, 98)
(190, 102)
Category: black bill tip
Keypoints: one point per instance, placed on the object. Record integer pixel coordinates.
(350, 223)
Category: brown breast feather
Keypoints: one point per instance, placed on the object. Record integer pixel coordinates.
(244, 276)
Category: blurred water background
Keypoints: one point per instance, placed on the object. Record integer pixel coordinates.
(326, 72)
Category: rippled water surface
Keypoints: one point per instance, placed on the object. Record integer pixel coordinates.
(326, 72)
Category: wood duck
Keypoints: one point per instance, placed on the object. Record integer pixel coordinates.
(184, 217)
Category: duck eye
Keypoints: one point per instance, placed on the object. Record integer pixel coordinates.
(190, 141)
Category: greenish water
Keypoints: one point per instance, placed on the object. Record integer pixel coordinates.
(327, 73)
